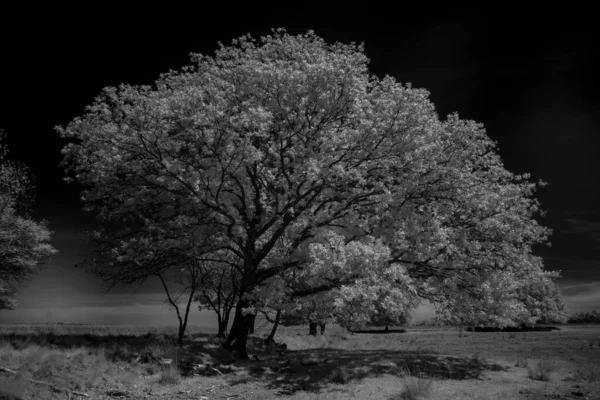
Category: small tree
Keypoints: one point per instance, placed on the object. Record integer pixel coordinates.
(218, 291)
(24, 243)
(161, 252)
(190, 281)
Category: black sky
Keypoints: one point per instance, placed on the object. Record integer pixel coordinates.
(530, 78)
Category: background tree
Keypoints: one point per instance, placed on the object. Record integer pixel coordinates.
(24, 243)
(291, 138)
(382, 317)
(590, 317)
(316, 311)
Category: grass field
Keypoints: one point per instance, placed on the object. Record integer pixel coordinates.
(117, 362)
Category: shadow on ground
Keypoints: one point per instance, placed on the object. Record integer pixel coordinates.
(283, 371)
(311, 370)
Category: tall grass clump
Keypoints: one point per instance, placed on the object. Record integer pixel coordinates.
(541, 370)
(169, 375)
(414, 387)
(521, 361)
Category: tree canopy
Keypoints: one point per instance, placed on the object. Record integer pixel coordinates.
(311, 173)
(23, 242)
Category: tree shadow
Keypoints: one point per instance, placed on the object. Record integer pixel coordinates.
(312, 370)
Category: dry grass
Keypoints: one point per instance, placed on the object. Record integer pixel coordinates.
(541, 370)
(96, 360)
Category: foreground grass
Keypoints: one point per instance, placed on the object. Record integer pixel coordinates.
(142, 362)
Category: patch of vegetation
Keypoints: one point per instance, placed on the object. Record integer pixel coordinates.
(589, 372)
(541, 370)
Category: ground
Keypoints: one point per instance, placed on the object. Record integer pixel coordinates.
(119, 362)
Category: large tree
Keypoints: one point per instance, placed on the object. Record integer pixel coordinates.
(24, 242)
(286, 153)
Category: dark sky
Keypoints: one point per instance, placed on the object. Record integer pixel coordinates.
(530, 78)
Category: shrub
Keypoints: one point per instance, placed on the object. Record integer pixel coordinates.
(541, 369)
(339, 375)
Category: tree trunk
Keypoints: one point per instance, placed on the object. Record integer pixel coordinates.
(271, 337)
(312, 328)
(223, 323)
(180, 335)
(182, 320)
(387, 328)
(238, 335)
(322, 326)
(251, 331)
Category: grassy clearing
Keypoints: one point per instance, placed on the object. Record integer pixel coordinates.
(431, 363)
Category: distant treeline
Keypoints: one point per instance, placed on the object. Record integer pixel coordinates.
(585, 317)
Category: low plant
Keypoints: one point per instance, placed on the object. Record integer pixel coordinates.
(540, 370)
